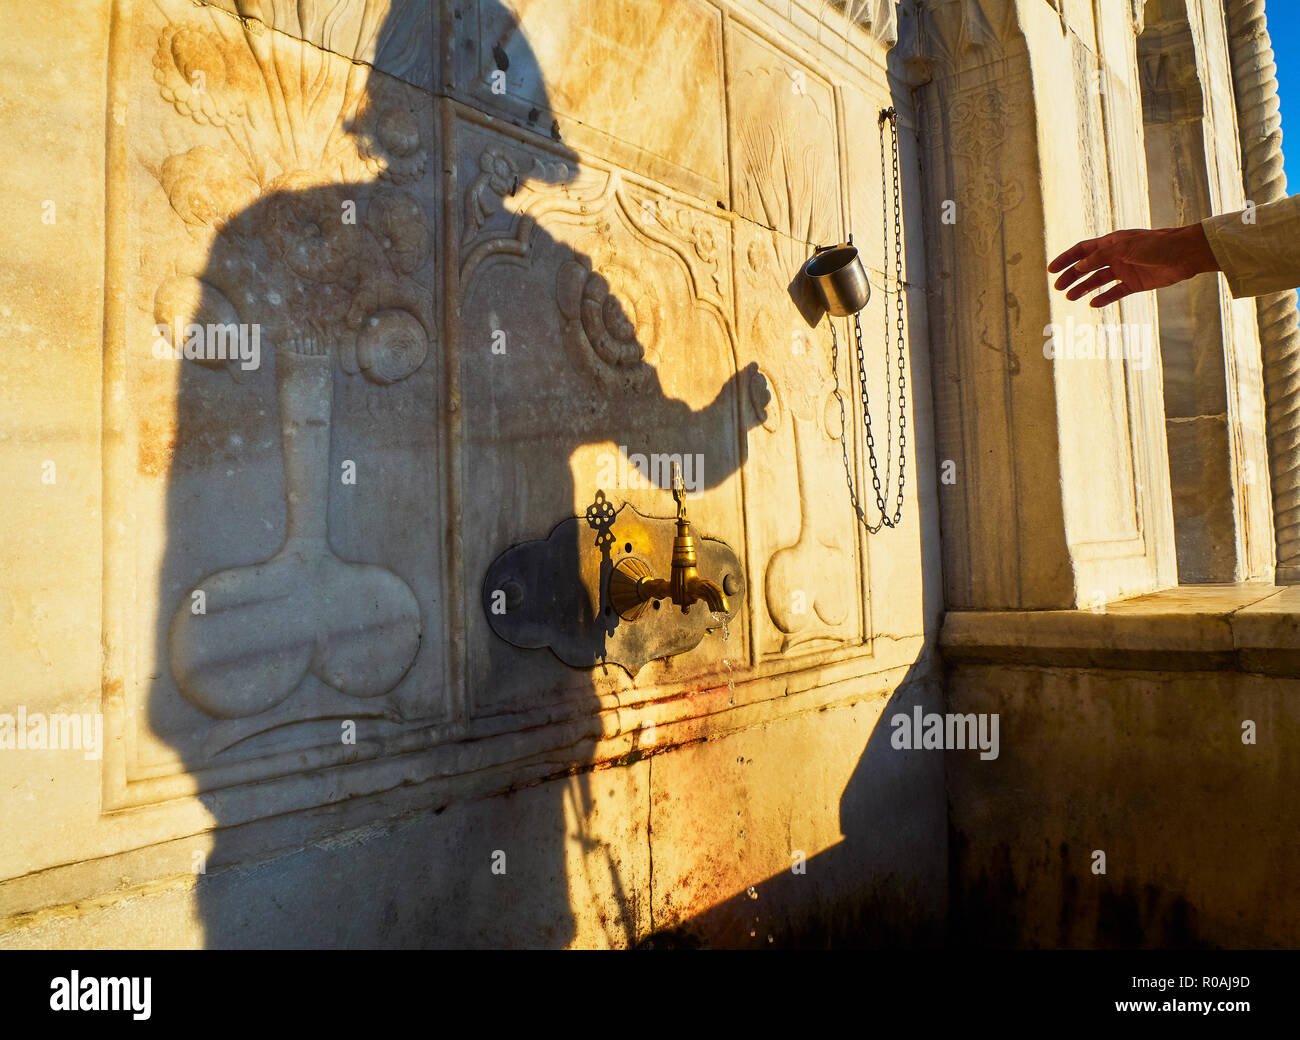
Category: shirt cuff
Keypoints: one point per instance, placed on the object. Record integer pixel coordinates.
(1224, 236)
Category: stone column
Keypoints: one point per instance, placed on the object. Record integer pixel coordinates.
(1055, 480)
(1213, 379)
(1260, 124)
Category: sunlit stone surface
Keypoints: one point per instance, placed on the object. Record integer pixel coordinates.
(315, 309)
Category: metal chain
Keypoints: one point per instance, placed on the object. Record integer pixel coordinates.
(844, 425)
(857, 325)
(898, 320)
(891, 116)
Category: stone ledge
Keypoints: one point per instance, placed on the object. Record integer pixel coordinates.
(1248, 627)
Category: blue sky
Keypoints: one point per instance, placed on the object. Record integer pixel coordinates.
(1284, 29)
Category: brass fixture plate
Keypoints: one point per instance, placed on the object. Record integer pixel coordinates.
(555, 592)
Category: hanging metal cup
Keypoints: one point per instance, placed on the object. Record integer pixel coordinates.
(840, 278)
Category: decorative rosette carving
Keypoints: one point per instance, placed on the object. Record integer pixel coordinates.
(388, 331)
(613, 316)
(388, 140)
(391, 345)
(396, 220)
(302, 225)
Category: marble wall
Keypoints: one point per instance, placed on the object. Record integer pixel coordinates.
(462, 259)
(1141, 797)
(330, 570)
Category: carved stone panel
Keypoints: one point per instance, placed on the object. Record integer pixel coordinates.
(276, 213)
(876, 19)
(978, 129)
(655, 105)
(1008, 168)
(595, 348)
(395, 36)
(807, 575)
(1102, 386)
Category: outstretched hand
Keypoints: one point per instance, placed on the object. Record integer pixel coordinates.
(751, 383)
(1136, 261)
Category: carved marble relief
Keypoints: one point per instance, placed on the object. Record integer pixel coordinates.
(595, 326)
(282, 353)
(656, 105)
(984, 146)
(279, 184)
(394, 36)
(877, 17)
(987, 191)
(977, 119)
(807, 577)
(952, 36)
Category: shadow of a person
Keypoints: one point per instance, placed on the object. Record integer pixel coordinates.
(298, 604)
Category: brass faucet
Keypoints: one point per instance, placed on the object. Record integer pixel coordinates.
(632, 587)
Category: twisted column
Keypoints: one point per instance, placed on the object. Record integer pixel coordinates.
(1260, 125)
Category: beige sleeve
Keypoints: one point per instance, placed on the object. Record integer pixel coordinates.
(1260, 257)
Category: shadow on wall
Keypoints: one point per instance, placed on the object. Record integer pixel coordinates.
(311, 612)
(883, 886)
(308, 610)
(886, 884)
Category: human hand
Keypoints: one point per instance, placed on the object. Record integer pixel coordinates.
(1136, 260)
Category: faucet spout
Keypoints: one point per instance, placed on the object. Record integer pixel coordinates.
(712, 594)
(632, 585)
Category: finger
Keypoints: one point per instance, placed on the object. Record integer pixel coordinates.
(1075, 253)
(1103, 277)
(1111, 295)
(1092, 262)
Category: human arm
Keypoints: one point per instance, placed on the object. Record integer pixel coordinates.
(1134, 261)
(1257, 249)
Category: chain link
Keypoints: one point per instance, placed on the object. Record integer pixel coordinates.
(890, 116)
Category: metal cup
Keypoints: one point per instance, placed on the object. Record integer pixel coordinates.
(840, 278)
